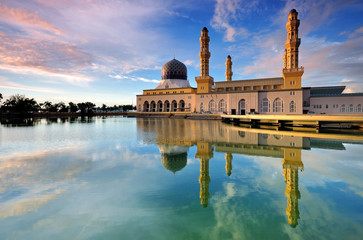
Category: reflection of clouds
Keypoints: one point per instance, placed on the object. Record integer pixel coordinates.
(31, 181)
(323, 166)
(24, 206)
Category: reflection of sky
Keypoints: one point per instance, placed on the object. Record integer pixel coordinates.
(98, 181)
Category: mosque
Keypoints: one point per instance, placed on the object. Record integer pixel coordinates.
(278, 95)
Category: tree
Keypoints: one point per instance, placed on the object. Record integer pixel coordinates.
(86, 108)
(72, 107)
(21, 104)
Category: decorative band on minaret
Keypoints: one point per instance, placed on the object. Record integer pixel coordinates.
(229, 72)
(204, 54)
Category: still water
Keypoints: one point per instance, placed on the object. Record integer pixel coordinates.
(127, 178)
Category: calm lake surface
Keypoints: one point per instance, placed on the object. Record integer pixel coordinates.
(128, 178)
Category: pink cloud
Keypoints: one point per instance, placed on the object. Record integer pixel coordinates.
(23, 17)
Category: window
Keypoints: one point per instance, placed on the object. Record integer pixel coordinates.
(342, 108)
(265, 105)
(359, 108)
(326, 106)
(351, 108)
(212, 106)
(292, 106)
(222, 106)
(278, 105)
(201, 107)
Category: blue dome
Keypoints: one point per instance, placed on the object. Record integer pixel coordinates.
(174, 69)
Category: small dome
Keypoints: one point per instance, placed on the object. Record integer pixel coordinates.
(174, 69)
(293, 10)
(205, 29)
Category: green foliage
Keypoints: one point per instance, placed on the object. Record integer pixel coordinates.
(21, 104)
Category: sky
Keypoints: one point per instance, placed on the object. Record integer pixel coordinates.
(108, 51)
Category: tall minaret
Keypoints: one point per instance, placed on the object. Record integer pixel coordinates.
(204, 81)
(229, 72)
(291, 165)
(291, 71)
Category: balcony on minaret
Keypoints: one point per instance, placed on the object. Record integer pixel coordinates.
(287, 70)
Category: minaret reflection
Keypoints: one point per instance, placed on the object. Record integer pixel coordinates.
(204, 153)
(291, 164)
(229, 158)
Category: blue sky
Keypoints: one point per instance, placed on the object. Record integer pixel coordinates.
(109, 51)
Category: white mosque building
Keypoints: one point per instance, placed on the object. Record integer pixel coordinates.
(278, 95)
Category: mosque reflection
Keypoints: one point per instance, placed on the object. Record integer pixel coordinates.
(175, 136)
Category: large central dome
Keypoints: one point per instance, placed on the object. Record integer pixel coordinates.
(174, 69)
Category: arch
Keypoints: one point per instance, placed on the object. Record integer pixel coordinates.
(201, 107)
(265, 106)
(167, 106)
(342, 108)
(358, 108)
(181, 105)
(222, 106)
(292, 106)
(212, 106)
(242, 107)
(152, 106)
(351, 108)
(160, 106)
(174, 106)
(146, 106)
(278, 105)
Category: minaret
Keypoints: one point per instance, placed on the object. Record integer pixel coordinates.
(229, 72)
(291, 165)
(229, 158)
(291, 71)
(204, 81)
(204, 153)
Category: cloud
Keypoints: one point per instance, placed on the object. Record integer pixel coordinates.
(224, 12)
(6, 84)
(22, 17)
(45, 58)
(357, 32)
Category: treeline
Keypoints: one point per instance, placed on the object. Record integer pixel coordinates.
(21, 104)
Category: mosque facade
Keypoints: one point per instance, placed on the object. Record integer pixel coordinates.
(278, 95)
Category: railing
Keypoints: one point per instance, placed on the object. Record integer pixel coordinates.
(293, 69)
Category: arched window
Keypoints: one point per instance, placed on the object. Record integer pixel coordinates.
(277, 105)
(351, 108)
(265, 106)
(181, 105)
(160, 106)
(153, 106)
(201, 107)
(167, 106)
(342, 108)
(292, 106)
(174, 106)
(212, 106)
(242, 107)
(139, 108)
(222, 106)
(359, 108)
(146, 106)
